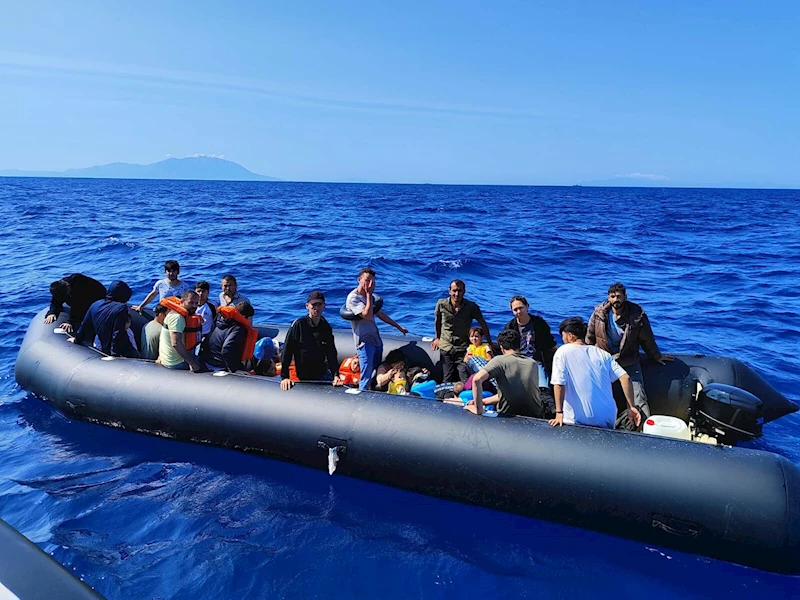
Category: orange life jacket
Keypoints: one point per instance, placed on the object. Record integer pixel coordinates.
(292, 371)
(230, 312)
(350, 371)
(194, 323)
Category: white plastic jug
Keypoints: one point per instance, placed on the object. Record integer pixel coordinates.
(665, 426)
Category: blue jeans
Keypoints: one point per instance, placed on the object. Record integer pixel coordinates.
(369, 357)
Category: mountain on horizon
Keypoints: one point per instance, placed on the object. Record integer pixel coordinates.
(204, 168)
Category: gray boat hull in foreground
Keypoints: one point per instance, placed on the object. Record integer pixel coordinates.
(730, 503)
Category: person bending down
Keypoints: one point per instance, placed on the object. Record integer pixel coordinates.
(582, 378)
(79, 292)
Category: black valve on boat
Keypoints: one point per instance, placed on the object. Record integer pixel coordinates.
(727, 413)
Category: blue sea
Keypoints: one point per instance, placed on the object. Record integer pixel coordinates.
(141, 517)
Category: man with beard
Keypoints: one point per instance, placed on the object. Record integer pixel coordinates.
(620, 327)
(172, 352)
(106, 320)
(453, 319)
(79, 292)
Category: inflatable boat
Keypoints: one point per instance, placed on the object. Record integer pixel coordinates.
(731, 503)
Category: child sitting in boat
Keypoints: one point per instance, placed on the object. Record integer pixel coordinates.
(478, 347)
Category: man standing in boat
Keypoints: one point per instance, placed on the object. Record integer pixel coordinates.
(366, 336)
(620, 327)
(310, 343)
(453, 319)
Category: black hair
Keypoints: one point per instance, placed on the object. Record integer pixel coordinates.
(160, 309)
(172, 264)
(522, 299)
(188, 294)
(230, 278)
(394, 356)
(60, 290)
(202, 285)
(366, 270)
(245, 309)
(509, 339)
(458, 283)
(474, 329)
(616, 287)
(573, 325)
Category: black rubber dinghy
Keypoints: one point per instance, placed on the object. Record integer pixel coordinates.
(736, 504)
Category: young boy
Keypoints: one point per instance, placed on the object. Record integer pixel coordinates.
(204, 308)
(169, 286)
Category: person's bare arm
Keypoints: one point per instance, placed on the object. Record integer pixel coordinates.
(477, 392)
(383, 378)
(559, 392)
(176, 339)
(389, 321)
(147, 299)
(627, 389)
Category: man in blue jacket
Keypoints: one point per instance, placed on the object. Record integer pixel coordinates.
(106, 319)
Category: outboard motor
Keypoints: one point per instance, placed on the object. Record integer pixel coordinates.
(727, 413)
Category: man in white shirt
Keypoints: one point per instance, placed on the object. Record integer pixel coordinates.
(582, 378)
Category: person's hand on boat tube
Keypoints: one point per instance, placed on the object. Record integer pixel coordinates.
(435, 344)
(558, 421)
(49, 319)
(337, 381)
(67, 327)
(472, 407)
(665, 358)
(286, 384)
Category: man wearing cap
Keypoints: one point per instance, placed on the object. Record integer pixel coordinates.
(309, 342)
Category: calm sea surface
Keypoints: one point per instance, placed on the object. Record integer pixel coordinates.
(139, 517)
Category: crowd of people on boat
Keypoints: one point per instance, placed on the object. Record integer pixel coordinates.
(523, 372)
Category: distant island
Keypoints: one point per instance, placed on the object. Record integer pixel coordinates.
(204, 168)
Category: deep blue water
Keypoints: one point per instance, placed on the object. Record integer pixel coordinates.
(140, 517)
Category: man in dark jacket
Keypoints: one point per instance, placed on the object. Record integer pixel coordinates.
(79, 292)
(620, 328)
(223, 348)
(309, 342)
(106, 319)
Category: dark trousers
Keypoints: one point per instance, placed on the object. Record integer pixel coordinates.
(454, 367)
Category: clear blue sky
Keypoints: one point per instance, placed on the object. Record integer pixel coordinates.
(414, 91)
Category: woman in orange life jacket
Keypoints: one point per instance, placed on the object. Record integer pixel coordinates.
(230, 345)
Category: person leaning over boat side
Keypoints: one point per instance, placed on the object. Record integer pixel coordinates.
(582, 378)
(151, 333)
(620, 327)
(106, 320)
(205, 308)
(310, 343)
(453, 318)
(517, 379)
(172, 352)
(366, 336)
(79, 292)
(225, 347)
(230, 296)
(164, 288)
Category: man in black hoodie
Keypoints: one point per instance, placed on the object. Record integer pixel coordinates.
(106, 319)
(79, 292)
(223, 349)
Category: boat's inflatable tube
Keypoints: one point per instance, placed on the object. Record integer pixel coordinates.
(347, 315)
(731, 503)
(30, 574)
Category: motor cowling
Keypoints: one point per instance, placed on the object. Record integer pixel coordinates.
(728, 413)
